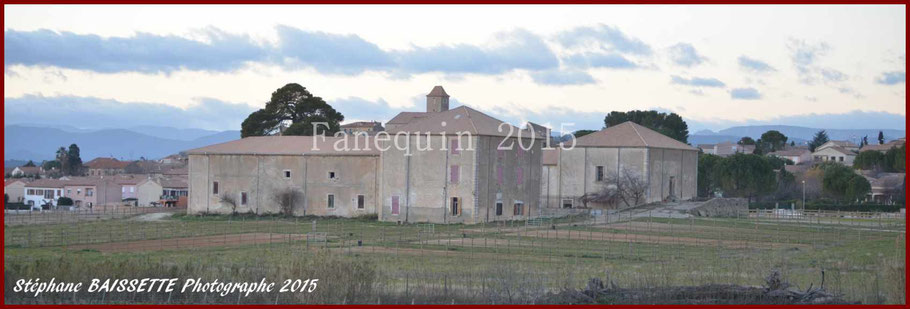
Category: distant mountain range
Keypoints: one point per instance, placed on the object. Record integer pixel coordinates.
(794, 133)
(23, 142)
(37, 143)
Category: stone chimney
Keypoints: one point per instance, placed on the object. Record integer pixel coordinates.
(437, 100)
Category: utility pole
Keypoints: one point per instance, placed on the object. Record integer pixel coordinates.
(804, 195)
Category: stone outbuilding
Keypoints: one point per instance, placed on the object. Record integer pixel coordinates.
(667, 167)
(316, 175)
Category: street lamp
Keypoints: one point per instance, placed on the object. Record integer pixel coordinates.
(804, 195)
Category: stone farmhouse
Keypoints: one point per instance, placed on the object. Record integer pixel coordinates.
(666, 168)
(440, 166)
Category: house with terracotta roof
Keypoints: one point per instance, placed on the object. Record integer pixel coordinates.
(884, 147)
(105, 167)
(314, 175)
(664, 167)
(886, 188)
(92, 191)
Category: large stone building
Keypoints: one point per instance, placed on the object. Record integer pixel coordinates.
(317, 177)
(667, 167)
(454, 170)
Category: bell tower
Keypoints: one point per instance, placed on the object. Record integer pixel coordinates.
(437, 100)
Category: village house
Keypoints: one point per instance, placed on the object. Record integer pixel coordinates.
(43, 193)
(845, 145)
(91, 191)
(884, 147)
(887, 188)
(799, 154)
(14, 189)
(367, 127)
(307, 172)
(27, 171)
(105, 167)
(726, 149)
(834, 154)
(464, 176)
(148, 192)
(174, 191)
(665, 168)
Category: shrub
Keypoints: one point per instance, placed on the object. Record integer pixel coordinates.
(64, 201)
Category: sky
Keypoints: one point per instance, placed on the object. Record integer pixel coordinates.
(208, 67)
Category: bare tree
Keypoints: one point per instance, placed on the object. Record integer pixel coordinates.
(625, 186)
(287, 199)
(228, 198)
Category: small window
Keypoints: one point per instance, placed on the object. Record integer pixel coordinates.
(287, 174)
(215, 187)
(70, 191)
(123, 189)
(842, 159)
(89, 192)
(331, 175)
(567, 203)
(360, 201)
(599, 176)
(456, 206)
(499, 208)
(242, 198)
(132, 189)
(395, 205)
(330, 203)
(519, 209)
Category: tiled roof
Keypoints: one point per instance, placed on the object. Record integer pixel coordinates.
(292, 145)
(46, 183)
(106, 163)
(461, 119)
(406, 117)
(438, 92)
(630, 134)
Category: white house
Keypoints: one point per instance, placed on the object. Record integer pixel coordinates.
(799, 155)
(834, 154)
(43, 192)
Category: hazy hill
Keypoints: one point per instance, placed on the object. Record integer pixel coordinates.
(36, 143)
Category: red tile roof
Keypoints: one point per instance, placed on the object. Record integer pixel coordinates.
(106, 163)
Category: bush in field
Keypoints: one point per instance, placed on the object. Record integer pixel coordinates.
(64, 201)
(228, 199)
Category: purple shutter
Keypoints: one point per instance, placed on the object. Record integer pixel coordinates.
(499, 175)
(395, 205)
(455, 146)
(454, 174)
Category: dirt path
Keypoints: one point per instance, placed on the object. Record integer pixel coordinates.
(191, 242)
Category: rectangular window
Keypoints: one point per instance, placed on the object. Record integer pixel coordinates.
(842, 159)
(456, 206)
(287, 174)
(123, 189)
(456, 146)
(242, 198)
(499, 175)
(499, 208)
(520, 176)
(70, 191)
(30, 191)
(132, 189)
(89, 192)
(599, 175)
(519, 209)
(331, 175)
(360, 201)
(215, 187)
(453, 174)
(49, 194)
(395, 205)
(567, 203)
(330, 203)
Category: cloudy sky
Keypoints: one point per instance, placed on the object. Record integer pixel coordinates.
(210, 66)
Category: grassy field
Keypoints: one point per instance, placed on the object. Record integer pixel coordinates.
(364, 261)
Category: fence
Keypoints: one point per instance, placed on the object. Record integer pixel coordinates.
(502, 262)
